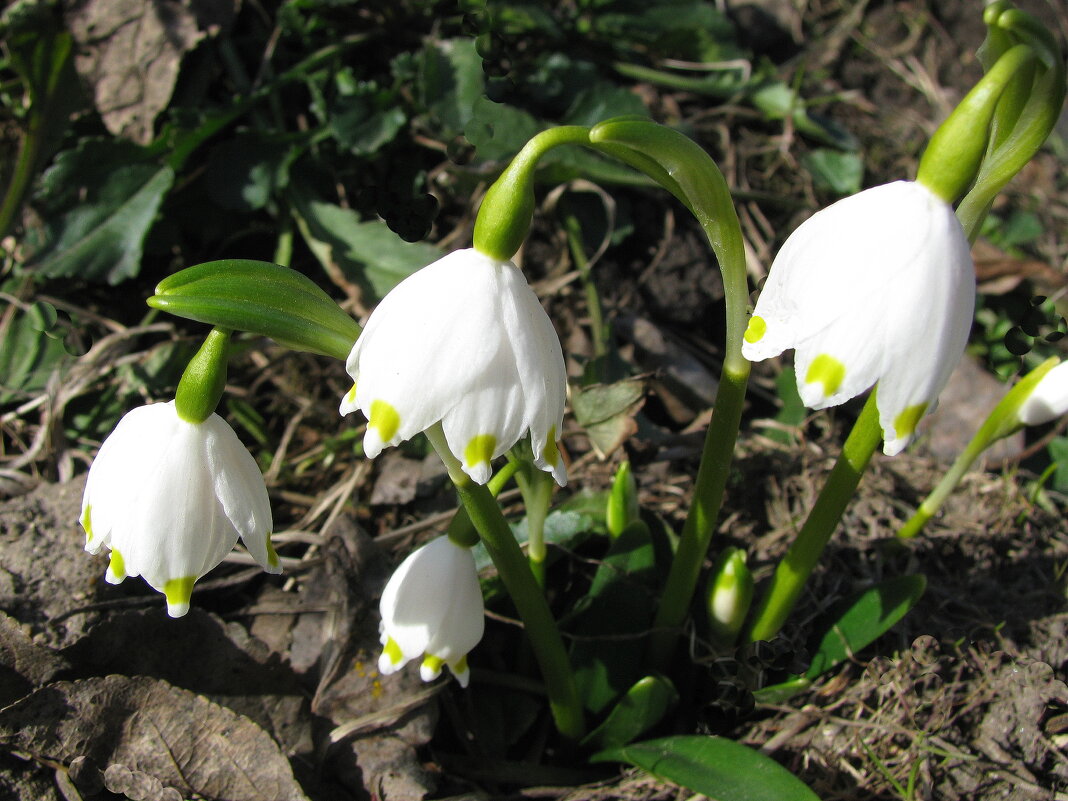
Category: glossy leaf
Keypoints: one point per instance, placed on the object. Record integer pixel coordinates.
(865, 618)
(722, 769)
(644, 705)
(261, 298)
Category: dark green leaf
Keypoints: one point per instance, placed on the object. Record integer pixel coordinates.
(499, 131)
(644, 705)
(242, 172)
(610, 621)
(99, 201)
(564, 527)
(841, 172)
(865, 618)
(723, 770)
(366, 252)
(28, 354)
(451, 81)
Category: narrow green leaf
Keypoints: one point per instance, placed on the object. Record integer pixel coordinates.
(644, 705)
(261, 298)
(865, 618)
(722, 769)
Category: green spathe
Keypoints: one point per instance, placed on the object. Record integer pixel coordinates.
(261, 298)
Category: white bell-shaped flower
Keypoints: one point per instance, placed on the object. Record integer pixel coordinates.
(878, 287)
(170, 498)
(466, 343)
(432, 607)
(1048, 400)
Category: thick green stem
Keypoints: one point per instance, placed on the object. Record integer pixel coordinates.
(507, 556)
(793, 571)
(204, 379)
(683, 168)
(536, 487)
(504, 217)
(700, 523)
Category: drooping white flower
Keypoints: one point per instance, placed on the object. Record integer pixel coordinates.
(878, 287)
(432, 607)
(170, 498)
(1048, 400)
(466, 343)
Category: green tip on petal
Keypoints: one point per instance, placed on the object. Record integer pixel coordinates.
(480, 449)
(551, 453)
(384, 419)
(906, 421)
(754, 332)
(87, 524)
(272, 556)
(178, 592)
(350, 396)
(431, 667)
(116, 568)
(392, 651)
(825, 370)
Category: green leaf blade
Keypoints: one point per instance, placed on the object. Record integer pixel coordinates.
(722, 769)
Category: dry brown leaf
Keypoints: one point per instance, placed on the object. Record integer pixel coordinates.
(150, 740)
(129, 53)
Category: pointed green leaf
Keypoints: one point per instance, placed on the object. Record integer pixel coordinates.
(644, 705)
(612, 619)
(261, 298)
(865, 618)
(722, 769)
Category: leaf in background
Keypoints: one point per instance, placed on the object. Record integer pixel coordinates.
(450, 82)
(602, 101)
(606, 411)
(611, 619)
(499, 131)
(143, 732)
(644, 705)
(565, 527)
(841, 172)
(365, 252)
(29, 353)
(244, 170)
(723, 770)
(1058, 449)
(864, 618)
(98, 202)
(129, 54)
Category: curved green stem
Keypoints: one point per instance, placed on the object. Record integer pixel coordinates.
(682, 167)
(1001, 422)
(793, 571)
(507, 556)
(504, 217)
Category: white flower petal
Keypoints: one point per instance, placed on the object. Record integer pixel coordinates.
(432, 607)
(879, 287)
(466, 343)
(170, 498)
(1048, 400)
